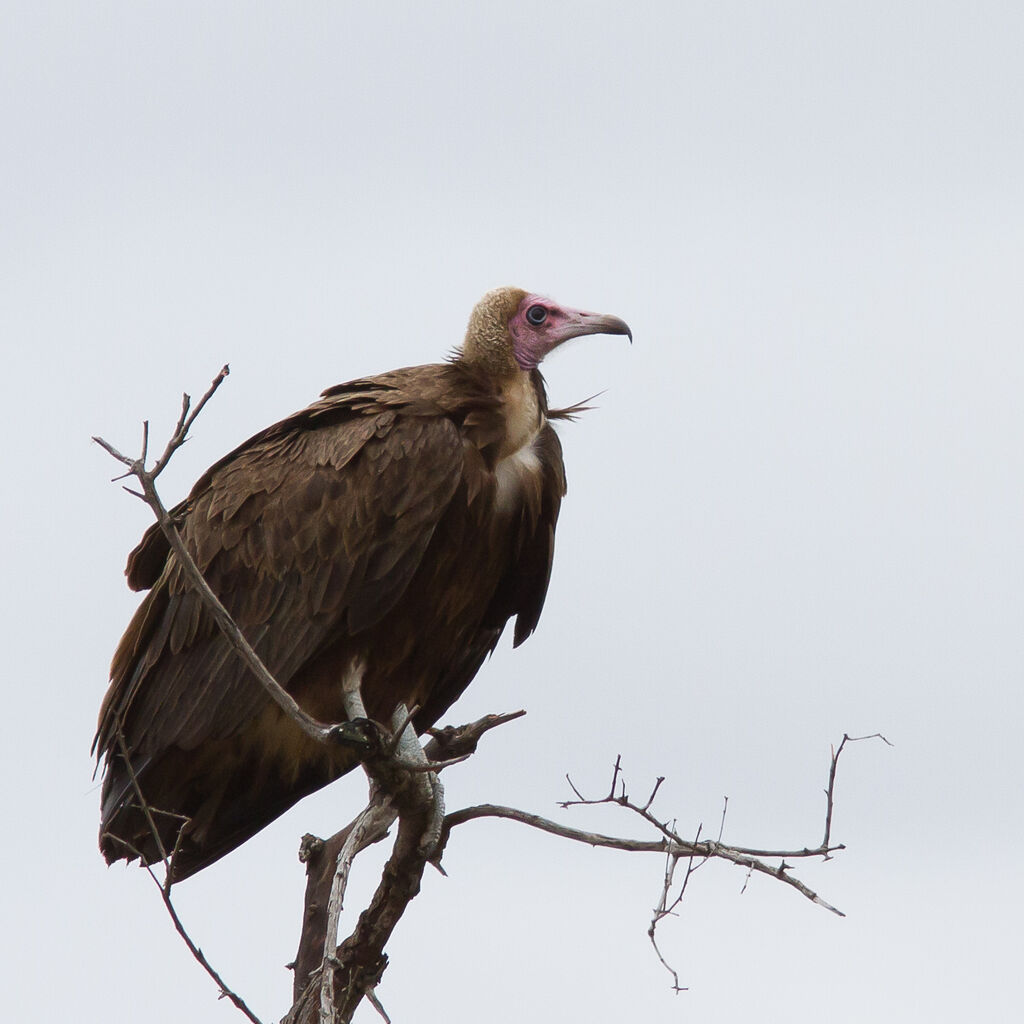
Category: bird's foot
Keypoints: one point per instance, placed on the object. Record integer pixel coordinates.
(361, 734)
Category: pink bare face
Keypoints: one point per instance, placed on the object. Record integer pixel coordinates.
(540, 325)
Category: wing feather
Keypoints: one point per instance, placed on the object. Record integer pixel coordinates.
(317, 532)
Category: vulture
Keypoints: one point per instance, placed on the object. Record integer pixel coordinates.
(396, 523)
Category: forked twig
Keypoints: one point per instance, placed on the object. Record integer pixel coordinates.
(831, 787)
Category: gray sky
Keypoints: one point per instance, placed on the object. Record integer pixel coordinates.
(797, 511)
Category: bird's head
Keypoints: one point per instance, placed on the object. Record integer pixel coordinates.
(511, 330)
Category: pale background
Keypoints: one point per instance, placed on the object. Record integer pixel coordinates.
(797, 511)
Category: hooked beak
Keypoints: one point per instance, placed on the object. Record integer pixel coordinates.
(578, 323)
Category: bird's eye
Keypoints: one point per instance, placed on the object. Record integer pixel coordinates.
(536, 315)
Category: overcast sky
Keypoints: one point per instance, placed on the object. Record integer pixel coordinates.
(797, 511)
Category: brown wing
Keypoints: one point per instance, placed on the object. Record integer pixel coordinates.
(310, 530)
(522, 586)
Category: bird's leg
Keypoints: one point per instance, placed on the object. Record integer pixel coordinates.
(358, 731)
(406, 742)
(430, 844)
(352, 691)
(408, 748)
(398, 727)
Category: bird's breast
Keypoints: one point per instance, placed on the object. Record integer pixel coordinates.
(518, 470)
(514, 475)
(521, 410)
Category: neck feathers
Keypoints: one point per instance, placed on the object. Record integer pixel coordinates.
(488, 346)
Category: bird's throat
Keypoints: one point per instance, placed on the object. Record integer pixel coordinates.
(523, 416)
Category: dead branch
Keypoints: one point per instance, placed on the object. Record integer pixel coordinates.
(697, 851)
(665, 909)
(831, 787)
(398, 885)
(321, 855)
(165, 890)
(351, 971)
(371, 825)
(225, 991)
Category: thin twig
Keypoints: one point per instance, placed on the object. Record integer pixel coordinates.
(184, 424)
(611, 798)
(654, 792)
(165, 886)
(143, 803)
(664, 909)
(225, 991)
(830, 789)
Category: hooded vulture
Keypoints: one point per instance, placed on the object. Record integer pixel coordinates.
(399, 522)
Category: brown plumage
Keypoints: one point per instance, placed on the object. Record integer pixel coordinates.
(397, 523)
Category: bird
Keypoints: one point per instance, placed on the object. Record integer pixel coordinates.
(397, 523)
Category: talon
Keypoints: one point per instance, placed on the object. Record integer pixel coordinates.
(359, 732)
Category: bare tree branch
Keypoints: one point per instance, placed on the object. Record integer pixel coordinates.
(674, 847)
(831, 787)
(321, 856)
(225, 991)
(371, 826)
(394, 792)
(165, 888)
(665, 909)
(400, 789)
